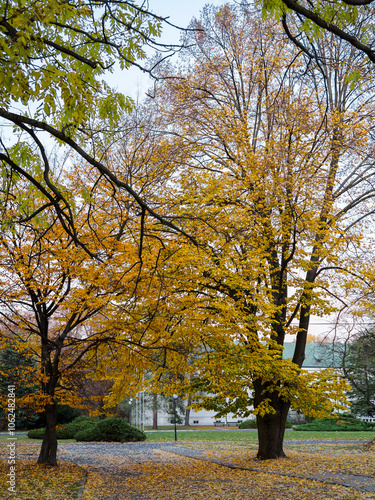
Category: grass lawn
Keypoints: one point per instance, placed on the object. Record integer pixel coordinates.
(230, 435)
(236, 435)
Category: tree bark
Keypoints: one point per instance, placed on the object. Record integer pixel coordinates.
(271, 427)
(48, 451)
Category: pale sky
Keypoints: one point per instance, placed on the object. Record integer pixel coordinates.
(180, 13)
(133, 82)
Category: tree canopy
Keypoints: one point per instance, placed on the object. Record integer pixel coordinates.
(273, 175)
(340, 18)
(54, 56)
(60, 304)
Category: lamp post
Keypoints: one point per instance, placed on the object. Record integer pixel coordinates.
(130, 412)
(174, 412)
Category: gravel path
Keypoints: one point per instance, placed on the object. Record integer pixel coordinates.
(111, 455)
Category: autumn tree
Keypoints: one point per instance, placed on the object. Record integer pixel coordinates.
(274, 179)
(60, 304)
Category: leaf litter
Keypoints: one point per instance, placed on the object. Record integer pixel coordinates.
(213, 471)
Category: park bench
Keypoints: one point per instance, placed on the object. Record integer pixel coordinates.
(229, 424)
(219, 422)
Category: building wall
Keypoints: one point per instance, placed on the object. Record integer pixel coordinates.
(318, 357)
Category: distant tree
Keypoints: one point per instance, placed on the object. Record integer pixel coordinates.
(18, 368)
(169, 405)
(359, 369)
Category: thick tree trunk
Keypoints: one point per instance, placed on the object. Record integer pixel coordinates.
(48, 452)
(271, 427)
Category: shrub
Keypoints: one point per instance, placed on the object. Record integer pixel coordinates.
(36, 433)
(252, 424)
(248, 424)
(62, 433)
(111, 429)
(89, 434)
(81, 423)
(344, 422)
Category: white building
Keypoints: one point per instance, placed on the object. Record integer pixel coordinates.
(318, 356)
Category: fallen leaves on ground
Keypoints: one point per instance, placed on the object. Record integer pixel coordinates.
(41, 482)
(189, 478)
(170, 476)
(306, 459)
(182, 478)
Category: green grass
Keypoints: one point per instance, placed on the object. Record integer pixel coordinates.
(323, 435)
(20, 437)
(235, 435)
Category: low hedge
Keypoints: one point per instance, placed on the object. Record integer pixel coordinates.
(111, 429)
(252, 424)
(81, 423)
(248, 424)
(61, 432)
(36, 433)
(344, 422)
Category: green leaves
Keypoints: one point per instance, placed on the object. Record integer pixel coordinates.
(54, 52)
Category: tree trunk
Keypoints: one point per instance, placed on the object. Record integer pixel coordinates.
(48, 450)
(155, 411)
(271, 427)
(187, 413)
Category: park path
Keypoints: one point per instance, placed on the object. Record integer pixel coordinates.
(119, 462)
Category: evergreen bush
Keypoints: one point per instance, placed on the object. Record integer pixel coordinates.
(62, 433)
(252, 424)
(344, 422)
(248, 424)
(111, 429)
(81, 423)
(36, 433)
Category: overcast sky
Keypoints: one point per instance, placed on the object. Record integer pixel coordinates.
(133, 82)
(180, 12)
